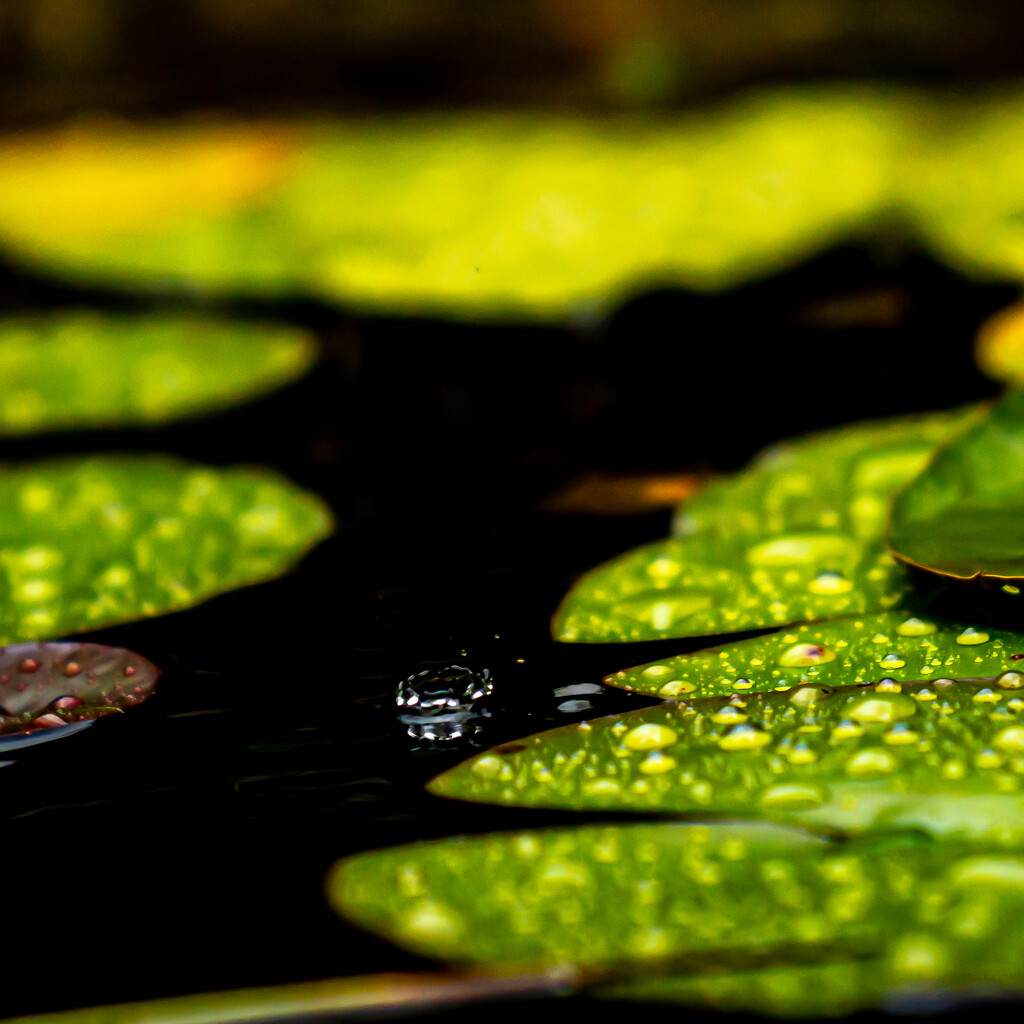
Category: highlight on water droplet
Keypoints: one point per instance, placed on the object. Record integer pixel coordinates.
(804, 655)
(971, 636)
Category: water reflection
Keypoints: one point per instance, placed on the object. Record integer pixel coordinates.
(443, 705)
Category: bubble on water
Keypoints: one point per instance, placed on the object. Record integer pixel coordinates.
(971, 637)
(804, 655)
(443, 704)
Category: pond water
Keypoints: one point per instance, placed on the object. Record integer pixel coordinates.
(182, 847)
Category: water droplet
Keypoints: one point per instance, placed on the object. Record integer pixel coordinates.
(802, 655)
(801, 754)
(884, 708)
(1009, 588)
(990, 872)
(916, 627)
(744, 737)
(656, 671)
(888, 686)
(602, 787)
(29, 665)
(578, 690)
(728, 716)
(988, 758)
(571, 707)
(742, 684)
(869, 763)
(1010, 739)
(900, 735)
(986, 696)
(971, 636)
(918, 958)
(804, 696)
(430, 922)
(1010, 680)
(439, 704)
(892, 661)
(847, 730)
(793, 796)
(657, 763)
(72, 668)
(674, 687)
(923, 694)
(487, 766)
(830, 582)
(649, 736)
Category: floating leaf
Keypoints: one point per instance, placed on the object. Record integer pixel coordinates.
(696, 900)
(795, 537)
(946, 756)
(89, 542)
(53, 685)
(389, 213)
(76, 370)
(964, 515)
(893, 646)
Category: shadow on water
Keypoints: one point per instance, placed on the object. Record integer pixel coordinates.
(182, 847)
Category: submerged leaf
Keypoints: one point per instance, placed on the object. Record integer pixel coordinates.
(89, 542)
(78, 370)
(695, 901)
(893, 646)
(795, 537)
(963, 516)
(51, 685)
(946, 756)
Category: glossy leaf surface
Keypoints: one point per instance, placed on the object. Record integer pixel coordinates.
(964, 515)
(839, 653)
(946, 756)
(50, 685)
(478, 216)
(67, 371)
(94, 541)
(795, 537)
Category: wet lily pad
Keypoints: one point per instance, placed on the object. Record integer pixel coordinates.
(963, 516)
(49, 686)
(93, 541)
(796, 537)
(943, 756)
(389, 213)
(893, 646)
(69, 371)
(667, 898)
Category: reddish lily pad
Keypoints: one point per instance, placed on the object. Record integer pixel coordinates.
(52, 685)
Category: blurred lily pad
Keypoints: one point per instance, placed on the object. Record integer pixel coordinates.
(67, 371)
(476, 216)
(92, 541)
(900, 647)
(943, 756)
(51, 685)
(999, 346)
(795, 537)
(893, 911)
(963, 516)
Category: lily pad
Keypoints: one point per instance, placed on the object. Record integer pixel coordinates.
(943, 756)
(695, 901)
(901, 647)
(796, 537)
(69, 371)
(963, 516)
(49, 686)
(89, 542)
(389, 213)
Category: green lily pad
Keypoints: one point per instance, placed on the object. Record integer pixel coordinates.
(942, 755)
(964, 515)
(87, 542)
(69, 371)
(796, 537)
(694, 901)
(901, 647)
(390, 213)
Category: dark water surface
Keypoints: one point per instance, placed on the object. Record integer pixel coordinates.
(182, 846)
